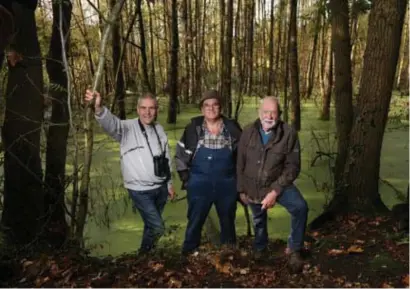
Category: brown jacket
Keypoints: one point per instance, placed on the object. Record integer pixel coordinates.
(263, 168)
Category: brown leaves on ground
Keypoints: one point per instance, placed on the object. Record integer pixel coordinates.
(341, 256)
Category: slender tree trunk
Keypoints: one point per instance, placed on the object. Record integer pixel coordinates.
(106, 79)
(88, 125)
(227, 80)
(23, 213)
(222, 35)
(312, 61)
(117, 66)
(56, 153)
(250, 41)
(151, 38)
(294, 66)
(271, 81)
(187, 41)
(143, 48)
(173, 77)
(403, 70)
(285, 62)
(84, 32)
(343, 82)
(328, 93)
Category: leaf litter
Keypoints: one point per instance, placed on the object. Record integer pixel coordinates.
(343, 261)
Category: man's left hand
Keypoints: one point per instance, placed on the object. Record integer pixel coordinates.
(270, 200)
(171, 193)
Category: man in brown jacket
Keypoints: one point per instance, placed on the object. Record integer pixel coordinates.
(268, 163)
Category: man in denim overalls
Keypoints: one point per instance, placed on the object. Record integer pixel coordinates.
(206, 163)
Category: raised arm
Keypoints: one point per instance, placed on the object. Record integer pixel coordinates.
(111, 124)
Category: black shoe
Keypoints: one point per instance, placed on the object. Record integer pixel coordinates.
(295, 262)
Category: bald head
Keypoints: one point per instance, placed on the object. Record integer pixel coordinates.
(269, 112)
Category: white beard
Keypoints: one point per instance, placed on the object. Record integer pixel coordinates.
(268, 123)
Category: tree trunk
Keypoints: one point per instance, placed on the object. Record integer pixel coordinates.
(222, 20)
(361, 172)
(173, 75)
(312, 61)
(403, 73)
(151, 37)
(343, 82)
(143, 48)
(56, 153)
(23, 214)
(88, 126)
(117, 66)
(271, 81)
(250, 41)
(228, 60)
(187, 41)
(325, 115)
(294, 66)
(379, 67)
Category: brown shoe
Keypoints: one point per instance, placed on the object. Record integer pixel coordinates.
(295, 262)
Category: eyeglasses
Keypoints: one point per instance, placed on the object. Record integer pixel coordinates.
(214, 105)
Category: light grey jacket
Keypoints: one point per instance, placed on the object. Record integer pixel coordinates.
(137, 164)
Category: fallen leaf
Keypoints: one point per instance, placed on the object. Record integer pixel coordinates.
(335, 252)
(386, 285)
(174, 283)
(225, 268)
(355, 249)
(244, 271)
(360, 242)
(54, 269)
(40, 281)
(27, 263)
(315, 234)
(374, 223)
(168, 273)
(405, 280)
(157, 266)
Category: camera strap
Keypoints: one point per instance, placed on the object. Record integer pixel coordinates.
(144, 132)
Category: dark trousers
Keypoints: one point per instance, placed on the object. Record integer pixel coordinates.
(296, 205)
(150, 205)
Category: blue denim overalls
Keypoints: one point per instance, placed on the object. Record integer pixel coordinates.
(212, 181)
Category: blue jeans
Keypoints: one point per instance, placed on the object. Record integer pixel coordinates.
(150, 205)
(295, 204)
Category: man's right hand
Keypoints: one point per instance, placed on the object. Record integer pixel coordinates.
(90, 95)
(244, 198)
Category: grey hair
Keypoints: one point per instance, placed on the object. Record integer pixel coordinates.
(148, 95)
(274, 99)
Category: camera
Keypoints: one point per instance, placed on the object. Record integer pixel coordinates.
(161, 166)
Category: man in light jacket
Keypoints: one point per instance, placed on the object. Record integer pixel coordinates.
(145, 162)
